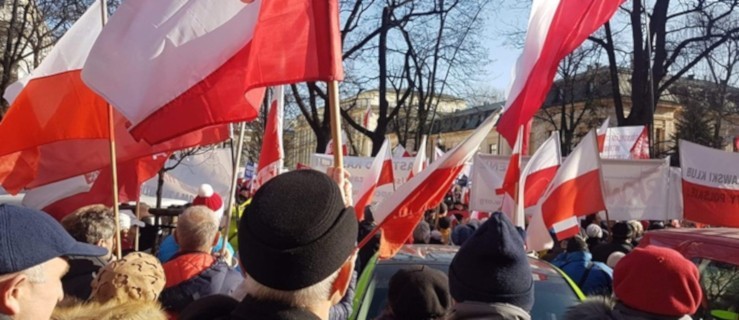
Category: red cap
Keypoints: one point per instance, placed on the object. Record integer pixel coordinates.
(659, 281)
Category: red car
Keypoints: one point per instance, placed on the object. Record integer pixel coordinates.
(716, 253)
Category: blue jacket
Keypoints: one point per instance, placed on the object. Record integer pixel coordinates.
(593, 278)
(219, 278)
(169, 248)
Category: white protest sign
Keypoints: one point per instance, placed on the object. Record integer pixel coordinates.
(359, 167)
(626, 143)
(183, 182)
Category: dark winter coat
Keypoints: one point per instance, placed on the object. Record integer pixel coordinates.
(603, 308)
(488, 311)
(82, 270)
(592, 277)
(215, 278)
(603, 251)
(221, 307)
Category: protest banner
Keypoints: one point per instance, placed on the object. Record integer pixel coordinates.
(626, 143)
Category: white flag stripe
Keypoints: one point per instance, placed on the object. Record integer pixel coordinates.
(158, 68)
(542, 13)
(696, 161)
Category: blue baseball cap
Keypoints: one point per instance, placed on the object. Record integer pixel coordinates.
(30, 237)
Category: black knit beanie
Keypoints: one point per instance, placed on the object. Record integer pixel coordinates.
(492, 267)
(419, 293)
(296, 232)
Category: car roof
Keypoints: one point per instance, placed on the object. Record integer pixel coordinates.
(443, 254)
(726, 236)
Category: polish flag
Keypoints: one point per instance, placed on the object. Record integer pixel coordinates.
(398, 215)
(272, 155)
(52, 103)
(419, 163)
(57, 128)
(556, 28)
(400, 152)
(576, 190)
(602, 133)
(640, 150)
(380, 173)
(710, 185)
(344, 146)
(174, 66)
(64, 197)
(513, 172)
(367, 117)
(539, 171)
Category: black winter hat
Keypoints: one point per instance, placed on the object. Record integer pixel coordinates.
(419, 292)
(623, 230)
(296, 232)
(492, 266)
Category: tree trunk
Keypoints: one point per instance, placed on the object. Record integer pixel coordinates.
(379, 135)
(160, 187)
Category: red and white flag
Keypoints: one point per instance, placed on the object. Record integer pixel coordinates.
(556, 28)
(710, 185)
(398, 215)
(539, 171)
(400, 152)
(367, 118)
(513, 172)
(438, 153)
(380, 173)
(575, 190)
(420, 162)
(344, 146)
(174, 66)
(602, 132)
(64, 197)
(57, 128)
(272, 156)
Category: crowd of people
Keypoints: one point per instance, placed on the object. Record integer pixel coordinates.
(297, 259)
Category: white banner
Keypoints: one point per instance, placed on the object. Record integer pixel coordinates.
(359, 167)
(626, 143)
(182, 183)
(634, 189)
(675, 194)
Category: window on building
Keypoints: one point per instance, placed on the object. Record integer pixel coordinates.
(660, 139)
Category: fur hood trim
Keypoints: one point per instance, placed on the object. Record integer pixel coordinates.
(132, 310)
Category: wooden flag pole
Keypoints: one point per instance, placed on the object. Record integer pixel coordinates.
(138, 216)
(113, 158)
(333, 101)
(232, 190)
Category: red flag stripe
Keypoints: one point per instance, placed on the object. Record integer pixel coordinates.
(536, 184)
(575, 197)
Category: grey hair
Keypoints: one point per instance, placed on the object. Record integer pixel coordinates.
(196, 228)
(35, 274)
(305, 297)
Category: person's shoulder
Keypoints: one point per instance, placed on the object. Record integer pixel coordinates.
(210, 307)
(597, 307)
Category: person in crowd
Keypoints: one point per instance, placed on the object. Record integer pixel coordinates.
(93, 224)
(124, 289)
(206, 197)
(490, 276)
(592, 277)
(648, 283)
(638, 232)
(464, 231)
(445, 228)
(459, 213)
(656, 225)
(418, 293)
(366, 253)
(194, 272)
(594, 235)
(422, 233)
(294, 271)
(33, 247)
(614, 258)
(621, 242)
(435, 237)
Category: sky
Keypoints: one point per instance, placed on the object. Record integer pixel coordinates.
(502, 20)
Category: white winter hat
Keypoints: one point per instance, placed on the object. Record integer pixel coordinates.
(594, 231)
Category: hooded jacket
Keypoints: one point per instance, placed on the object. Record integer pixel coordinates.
(112, 310)
(592, 277)
(603, 308)
(487, 311)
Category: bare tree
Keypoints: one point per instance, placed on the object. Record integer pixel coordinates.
(174, 161)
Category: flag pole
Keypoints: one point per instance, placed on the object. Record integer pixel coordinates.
(137, 231)
(113, 161)
(232, 189)
(333, 101)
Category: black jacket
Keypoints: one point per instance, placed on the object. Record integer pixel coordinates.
(601, 252)
(226, 308)
(82, 270)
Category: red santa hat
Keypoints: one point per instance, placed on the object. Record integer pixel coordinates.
(207, 197)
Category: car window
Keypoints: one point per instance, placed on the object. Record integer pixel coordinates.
(552, 294)
(720, 282)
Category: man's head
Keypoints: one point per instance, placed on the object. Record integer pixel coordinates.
(422, 233)
(296, 241)
(622, 232)
(492, 267)
(419, 292)
(576, 244)
(93, 224)
(32, 247)
(197, 230)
